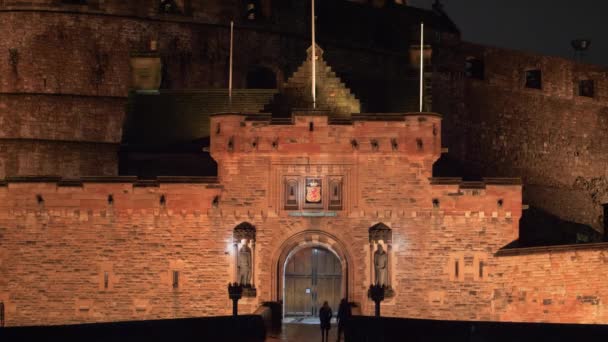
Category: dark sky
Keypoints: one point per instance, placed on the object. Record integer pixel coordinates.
(541, 26)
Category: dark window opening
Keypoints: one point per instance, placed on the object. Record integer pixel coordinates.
(456, 269)
(169, 7)
(474, 68)
(252, 9)
(175, 279)
(533, 79)
(481, 269)
(586, 88)
(311, 126)
(261, 78)
(106, 280)
(435, 203)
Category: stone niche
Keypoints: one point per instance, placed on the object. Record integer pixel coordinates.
(381, 239)
(244, 240)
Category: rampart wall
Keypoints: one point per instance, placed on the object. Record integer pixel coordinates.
(66, 68)
(70, 253)
(552, 137)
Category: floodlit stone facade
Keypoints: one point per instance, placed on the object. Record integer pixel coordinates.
(91, 246)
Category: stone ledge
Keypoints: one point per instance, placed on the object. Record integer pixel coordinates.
(474, 184)
(550, 249)
(213, 181)
(332, 119)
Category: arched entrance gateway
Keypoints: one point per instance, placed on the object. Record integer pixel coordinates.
(312, 267)
(312, 275)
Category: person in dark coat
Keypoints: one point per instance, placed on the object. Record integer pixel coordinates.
(344, 313)
(325, 317)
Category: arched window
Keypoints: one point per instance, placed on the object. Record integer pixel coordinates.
(261, 78)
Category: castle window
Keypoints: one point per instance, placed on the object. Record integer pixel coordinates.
(252, 9)
(480, 269)
(586, 88)
(456, 269)
(106, 280)
(291, 194)
(175, 279)
(474, 68)
(169, 7)
(533, 79)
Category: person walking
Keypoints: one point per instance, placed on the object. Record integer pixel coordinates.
(344, 313)
(325, 317)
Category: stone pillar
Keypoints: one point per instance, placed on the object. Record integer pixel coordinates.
(235, 292)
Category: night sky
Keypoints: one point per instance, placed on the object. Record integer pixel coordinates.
(541, 26)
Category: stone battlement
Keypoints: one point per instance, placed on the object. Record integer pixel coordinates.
(313, 132)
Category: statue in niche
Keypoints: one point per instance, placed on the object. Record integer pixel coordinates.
(380, 265)
(244, 265)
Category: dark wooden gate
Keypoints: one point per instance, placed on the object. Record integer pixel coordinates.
(312, 276)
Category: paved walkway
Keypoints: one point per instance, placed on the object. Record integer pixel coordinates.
(304, 332)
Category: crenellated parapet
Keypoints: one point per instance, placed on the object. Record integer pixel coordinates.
(415, 135)
(106, 196)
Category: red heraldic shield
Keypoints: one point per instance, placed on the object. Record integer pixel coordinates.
(313, 191)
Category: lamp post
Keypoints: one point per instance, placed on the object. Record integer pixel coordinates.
(376, 293)
(235, 292)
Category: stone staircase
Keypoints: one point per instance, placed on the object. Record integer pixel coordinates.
(332, 93)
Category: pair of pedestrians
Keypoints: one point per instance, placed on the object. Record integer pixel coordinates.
(325, 314)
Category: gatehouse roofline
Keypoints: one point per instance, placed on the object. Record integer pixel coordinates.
(331, 119)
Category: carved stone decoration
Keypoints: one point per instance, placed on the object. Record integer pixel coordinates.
(244, 231)
(244, 272)
(380, 266)
(379, 232)
(244, 265)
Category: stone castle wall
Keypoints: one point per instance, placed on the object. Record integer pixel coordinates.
(67, 66)
(551, 137)
(60, 237)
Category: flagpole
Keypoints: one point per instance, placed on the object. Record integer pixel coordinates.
(314, 59)
(230, 67)
(421, 64)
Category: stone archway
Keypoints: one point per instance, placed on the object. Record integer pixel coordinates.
(311, 239)
(312, 276)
